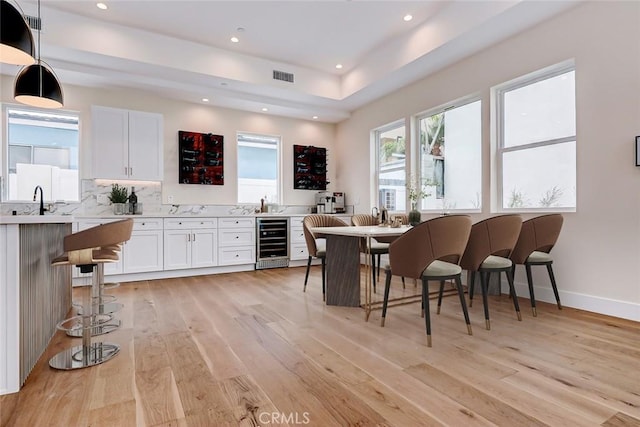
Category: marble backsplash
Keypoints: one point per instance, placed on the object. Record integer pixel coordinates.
(149, 195)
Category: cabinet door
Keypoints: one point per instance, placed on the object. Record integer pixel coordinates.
(177, 249)
(203, 248)
(145, 146)
(109, 143)
(143, 252)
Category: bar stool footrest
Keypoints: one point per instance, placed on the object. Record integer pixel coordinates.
(97, 330)
(79, 357)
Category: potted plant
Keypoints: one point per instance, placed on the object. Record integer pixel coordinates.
(416, 194)
(118, 197)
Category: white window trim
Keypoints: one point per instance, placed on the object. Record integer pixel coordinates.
(375, 142)
(460, 102)
(279, 174)
(497, 93)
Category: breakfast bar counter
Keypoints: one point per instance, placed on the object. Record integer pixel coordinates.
(34, 296)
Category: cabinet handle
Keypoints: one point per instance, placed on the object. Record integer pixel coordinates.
(237, 255)
(194, 237)
(126, 170)
(189, 237)
(130, 171)
(237, 237)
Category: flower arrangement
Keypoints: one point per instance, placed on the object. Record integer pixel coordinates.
(414, 193)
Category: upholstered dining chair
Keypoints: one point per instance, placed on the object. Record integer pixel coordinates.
(376, 248)
(317, 247)
(537, 237)
(488, 250)
(430, 251)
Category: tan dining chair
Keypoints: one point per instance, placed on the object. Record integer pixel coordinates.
(317, 247)
(488, 250)
(376, 248)
(537, 237)
(430, 251)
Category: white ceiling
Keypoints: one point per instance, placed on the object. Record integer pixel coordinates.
(182, 49)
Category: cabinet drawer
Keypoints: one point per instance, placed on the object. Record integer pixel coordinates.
(296, 221)
(297, 235)
(147, 224)
(299, 251)
(248, 222)
(234, 255)
(236, 237)
(189, 223)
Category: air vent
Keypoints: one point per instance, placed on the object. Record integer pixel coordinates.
(281, 75)
(34, 22)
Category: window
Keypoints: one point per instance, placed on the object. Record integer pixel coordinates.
(537, 141)
(391, 175)
(42, 150)
(450, 157)
(258, 168)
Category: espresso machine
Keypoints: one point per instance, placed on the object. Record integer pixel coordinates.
(329, 202)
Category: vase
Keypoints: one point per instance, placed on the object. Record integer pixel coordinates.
(414, 215)
(119, 208)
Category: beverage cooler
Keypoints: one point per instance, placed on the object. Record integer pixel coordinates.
(272, 242)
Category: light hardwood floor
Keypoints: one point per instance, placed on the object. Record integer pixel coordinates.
(252, 349)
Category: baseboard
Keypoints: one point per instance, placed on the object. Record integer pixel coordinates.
(607, 306)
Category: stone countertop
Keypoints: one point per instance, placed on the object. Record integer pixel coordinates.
(36, 219)
(183, 215)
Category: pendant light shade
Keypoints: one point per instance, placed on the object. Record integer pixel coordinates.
(37, 85)
(16, 41)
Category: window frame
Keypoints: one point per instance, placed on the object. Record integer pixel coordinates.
(279, 174)
(375, 140)
(4, 149)
(499, 92)
(443, 108)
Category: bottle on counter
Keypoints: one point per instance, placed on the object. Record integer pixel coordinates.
(133, 201)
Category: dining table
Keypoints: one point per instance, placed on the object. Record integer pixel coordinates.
(343, 281)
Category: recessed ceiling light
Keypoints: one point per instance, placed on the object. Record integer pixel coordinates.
(205, 99)
(315, 117)
(102, 6)
(265, 109)
(408, 17)
(339, 66)
(234, 39)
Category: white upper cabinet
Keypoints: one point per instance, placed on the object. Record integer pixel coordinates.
(126, 144)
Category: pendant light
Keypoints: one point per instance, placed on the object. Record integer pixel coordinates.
(36, 84)
(16, 41)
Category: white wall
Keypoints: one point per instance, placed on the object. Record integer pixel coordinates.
(598, 254)
(199, 118)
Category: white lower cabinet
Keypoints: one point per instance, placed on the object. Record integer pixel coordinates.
(141, 253)
(190, 243)
(237, 240)
(297, 244)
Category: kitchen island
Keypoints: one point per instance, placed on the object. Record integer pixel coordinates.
(34, 296)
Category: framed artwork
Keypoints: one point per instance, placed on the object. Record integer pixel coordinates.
(200, 158)
(637, 150)
(309, 167)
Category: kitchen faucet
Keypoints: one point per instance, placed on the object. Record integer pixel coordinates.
(35, 193)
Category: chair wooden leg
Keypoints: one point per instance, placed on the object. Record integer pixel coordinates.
(553, 285)
(472, 279)
(484, 279)
(324, 275)
(512, 289)
(427, 316)
(463, 304)
(378, 272)
(532, 296)
(306, 276)
(440, 296)
(403, 286)
(373, 271)
(387, 286)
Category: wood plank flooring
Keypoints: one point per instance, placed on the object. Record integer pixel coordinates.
(251, 349)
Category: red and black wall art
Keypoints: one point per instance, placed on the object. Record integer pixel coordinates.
(200, 158)
(309, 167)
